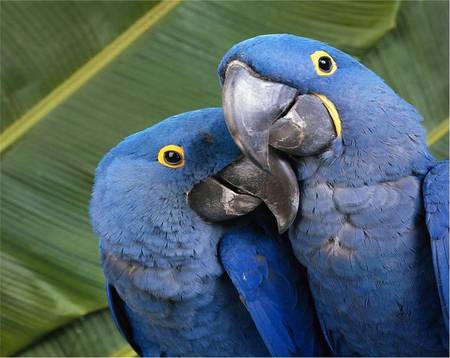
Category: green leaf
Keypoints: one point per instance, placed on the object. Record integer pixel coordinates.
(50, 267)
(413, 59)
(43, 42)
(92, 335)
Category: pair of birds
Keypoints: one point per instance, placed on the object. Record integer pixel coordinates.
(340, 161)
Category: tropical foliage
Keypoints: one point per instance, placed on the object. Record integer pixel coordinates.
(79, 76)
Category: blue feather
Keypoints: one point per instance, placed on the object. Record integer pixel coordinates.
(273, 287)
(436, 201)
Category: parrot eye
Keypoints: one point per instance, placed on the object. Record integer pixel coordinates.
(323, 63)
(171, 156)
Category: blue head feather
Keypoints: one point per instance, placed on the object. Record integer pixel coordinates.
(139, 206)
(202, 134)
(382, 137)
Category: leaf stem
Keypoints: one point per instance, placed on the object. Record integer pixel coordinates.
(438, 132)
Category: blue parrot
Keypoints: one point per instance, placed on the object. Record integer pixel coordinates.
(180, 281)
(372, 227)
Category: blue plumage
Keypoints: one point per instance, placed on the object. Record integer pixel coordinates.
(361, 230)
(274, 289)
(167, 289)
(436, 199)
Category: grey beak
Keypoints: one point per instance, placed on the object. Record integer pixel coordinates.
(242, 186)
(214, 201)
(250, 105)
(305, 130)
(260, 113)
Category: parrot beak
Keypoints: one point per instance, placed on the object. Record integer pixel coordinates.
(260, 113)
(250, 104)
(242, 186)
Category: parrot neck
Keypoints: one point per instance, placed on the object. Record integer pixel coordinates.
(353, 170)
(159, 251)
(384, 141)
(166, 232)
(150, 238)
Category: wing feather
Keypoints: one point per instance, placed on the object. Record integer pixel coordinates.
(436, 201)
(274, 289)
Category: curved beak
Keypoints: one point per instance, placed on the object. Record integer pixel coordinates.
(260, 113)
(250, 104)
(242, 186)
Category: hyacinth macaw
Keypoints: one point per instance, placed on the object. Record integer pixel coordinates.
(372, 227)
(180, 285)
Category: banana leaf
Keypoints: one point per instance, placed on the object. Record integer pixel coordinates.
(413, 59)
(82, 337)
(43, 42)
(163, 63)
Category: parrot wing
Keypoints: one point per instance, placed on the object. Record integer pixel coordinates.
(118, 312)
(436, 201)
(273, 287)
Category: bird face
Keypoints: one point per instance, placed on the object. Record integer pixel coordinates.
(189, 163)
(299, 96)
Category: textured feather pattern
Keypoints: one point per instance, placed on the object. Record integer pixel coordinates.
(159, 255)
(177, 294)
(273, 287)
(370, 267)
(436, 198)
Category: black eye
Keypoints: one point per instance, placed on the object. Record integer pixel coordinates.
(325, 63)
(172, 157)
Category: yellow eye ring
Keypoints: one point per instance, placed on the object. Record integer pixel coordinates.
(323, 63)
(171, 156)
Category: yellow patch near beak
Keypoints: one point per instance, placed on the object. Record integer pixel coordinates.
(333, 112)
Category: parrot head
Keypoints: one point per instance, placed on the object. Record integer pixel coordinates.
(181, 171)
(308, 99)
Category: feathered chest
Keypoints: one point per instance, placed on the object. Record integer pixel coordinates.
(346, 231)
(369, 265)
